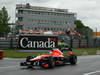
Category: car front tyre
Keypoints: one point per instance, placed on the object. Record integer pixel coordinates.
(50, 63)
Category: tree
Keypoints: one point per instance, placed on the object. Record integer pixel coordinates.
(4, 19)
(84, 30)
(79, 24)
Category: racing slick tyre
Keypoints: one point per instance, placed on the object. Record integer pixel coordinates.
(23, 64)
(49, 64)
(28, 58)
(66, 59)
(73, 59)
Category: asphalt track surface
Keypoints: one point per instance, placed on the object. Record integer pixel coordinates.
(87, 65)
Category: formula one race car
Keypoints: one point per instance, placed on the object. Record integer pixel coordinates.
(55, 57)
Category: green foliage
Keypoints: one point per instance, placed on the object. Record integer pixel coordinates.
(84, 30)
(79, 24)
(4, 18)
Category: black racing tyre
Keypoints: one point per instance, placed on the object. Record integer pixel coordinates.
(73, 59)
(66, 59)
(50, 62)
(23, 64)
(28, 58)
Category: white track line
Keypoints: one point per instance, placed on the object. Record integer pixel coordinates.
(91, 73)
(8, 67)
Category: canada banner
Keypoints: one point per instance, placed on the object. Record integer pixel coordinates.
(37, 42)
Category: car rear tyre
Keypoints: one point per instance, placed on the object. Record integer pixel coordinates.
(73, 59)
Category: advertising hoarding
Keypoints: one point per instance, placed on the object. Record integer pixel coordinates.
(37, 42)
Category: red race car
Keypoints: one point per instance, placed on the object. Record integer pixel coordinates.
(55, 57)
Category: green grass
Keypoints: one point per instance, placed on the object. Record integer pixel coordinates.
(90, 51)
(11, 53)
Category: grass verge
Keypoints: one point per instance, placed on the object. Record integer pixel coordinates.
(11, 53)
